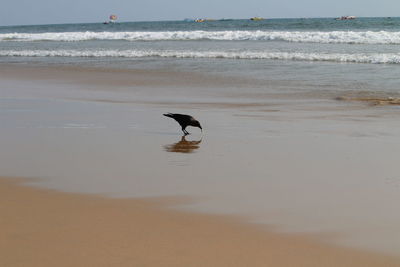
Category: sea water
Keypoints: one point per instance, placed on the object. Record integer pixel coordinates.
(364, 40)
(351, 49)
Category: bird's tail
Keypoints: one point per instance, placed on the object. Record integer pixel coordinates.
(170, 115)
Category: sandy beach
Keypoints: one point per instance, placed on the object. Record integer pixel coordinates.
(48, 228)
(277, 178)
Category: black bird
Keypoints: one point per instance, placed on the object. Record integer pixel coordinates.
(184, 121)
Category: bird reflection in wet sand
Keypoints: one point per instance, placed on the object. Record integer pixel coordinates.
(183, 146)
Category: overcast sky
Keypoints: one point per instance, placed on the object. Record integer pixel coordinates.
(22, 12)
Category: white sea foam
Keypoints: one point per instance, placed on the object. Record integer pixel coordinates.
(350, 37)
(388, 58)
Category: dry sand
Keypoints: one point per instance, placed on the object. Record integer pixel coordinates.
(47, 228)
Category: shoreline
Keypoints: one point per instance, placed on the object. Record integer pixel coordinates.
(114, 76)
(44, 227)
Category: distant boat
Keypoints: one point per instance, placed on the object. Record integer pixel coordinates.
(256, 18)
(346, 18)
(203, 20)
(113, 19)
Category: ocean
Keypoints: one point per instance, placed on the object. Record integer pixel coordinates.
(293, 49)
(364, 40)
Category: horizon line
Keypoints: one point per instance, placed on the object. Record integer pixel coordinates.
(176, 20)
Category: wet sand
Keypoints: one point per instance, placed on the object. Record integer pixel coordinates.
(320, 170)
(47, 228)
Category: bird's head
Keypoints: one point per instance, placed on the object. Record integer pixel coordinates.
(197, 124)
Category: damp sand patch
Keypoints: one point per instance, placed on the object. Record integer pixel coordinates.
(373, 101)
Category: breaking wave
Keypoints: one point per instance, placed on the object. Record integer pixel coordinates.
(389, 58)
(348, 37)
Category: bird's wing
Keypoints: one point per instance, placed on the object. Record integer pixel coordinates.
(182, 117)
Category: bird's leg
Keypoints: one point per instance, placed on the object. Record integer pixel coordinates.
(184, 131)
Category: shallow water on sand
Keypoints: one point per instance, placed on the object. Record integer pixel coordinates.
(289, 160)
